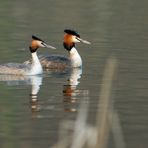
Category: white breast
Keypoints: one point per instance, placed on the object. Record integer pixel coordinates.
(75, 58)
(36, 67)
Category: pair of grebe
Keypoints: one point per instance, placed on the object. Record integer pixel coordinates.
(34, 67)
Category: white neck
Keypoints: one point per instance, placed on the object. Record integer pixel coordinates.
(75, 58)
(36, 67)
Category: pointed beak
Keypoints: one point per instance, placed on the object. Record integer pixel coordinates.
(48, 46)
(83, 41)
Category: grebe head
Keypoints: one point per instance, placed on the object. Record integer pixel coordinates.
(37, 42)
(70, 38)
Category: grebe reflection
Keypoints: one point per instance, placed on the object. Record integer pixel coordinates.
(70, 91)
(35, 81)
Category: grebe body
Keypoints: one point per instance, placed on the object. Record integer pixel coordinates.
(61, 62)
(34, 68)
(54, 61)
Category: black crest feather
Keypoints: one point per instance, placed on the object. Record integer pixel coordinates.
(72, 32)
(36, 38)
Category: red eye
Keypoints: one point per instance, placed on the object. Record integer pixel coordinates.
(78, 39)
(42, 43)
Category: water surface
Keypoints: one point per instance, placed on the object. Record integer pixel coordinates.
(115, 28)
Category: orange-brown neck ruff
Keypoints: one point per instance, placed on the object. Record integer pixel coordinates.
(68, 42)
(68, 38)
(34, 46)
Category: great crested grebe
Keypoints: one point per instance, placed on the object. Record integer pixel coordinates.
(27, 69)
(61, 62)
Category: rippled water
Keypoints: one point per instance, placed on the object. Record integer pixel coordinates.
(115, 28)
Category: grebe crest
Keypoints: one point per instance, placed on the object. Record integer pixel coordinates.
(34, 68)
(70, 38)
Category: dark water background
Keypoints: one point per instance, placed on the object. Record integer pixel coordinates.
(115, 28)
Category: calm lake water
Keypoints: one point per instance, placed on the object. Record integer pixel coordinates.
(115, 28)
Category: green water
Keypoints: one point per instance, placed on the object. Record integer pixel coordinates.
(115, 28)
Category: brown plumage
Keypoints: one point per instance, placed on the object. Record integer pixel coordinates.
(13, 68)
(53, 62)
